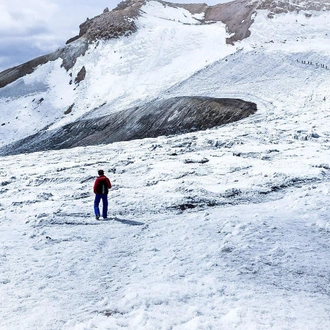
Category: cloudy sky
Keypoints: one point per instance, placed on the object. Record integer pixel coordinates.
(31, 28)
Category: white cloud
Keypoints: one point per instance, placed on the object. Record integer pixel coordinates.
(18, 18)
(35, 27)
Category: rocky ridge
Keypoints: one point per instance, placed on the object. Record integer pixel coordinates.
(164, 117)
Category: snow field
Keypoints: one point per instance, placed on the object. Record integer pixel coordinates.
(252, 253)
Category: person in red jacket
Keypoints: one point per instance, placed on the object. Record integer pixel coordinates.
(101, 187)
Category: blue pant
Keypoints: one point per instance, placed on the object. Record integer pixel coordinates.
(97, 200)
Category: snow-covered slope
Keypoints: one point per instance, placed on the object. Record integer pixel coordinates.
(169, 46)
(222, 229)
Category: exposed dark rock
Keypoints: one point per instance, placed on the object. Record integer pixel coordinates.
(72, 39)
(194, 8)
(10, 75)
(186, 206)
(69, 110)
(166, 117)
(81, 75)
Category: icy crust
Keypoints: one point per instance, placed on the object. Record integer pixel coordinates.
(228, 228)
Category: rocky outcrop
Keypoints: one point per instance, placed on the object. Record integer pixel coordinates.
(166, 117)
(81, 75)
(117, 23)
(237, 16)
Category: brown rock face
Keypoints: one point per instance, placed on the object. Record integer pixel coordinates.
(237, 16)
(117, 23)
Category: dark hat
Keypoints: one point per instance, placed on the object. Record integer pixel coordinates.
(100, 172)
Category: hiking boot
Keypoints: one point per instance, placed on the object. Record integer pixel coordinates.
(97, 217)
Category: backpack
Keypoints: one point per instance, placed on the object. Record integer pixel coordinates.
(102, 187)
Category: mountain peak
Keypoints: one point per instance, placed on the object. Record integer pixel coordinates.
(111, 24)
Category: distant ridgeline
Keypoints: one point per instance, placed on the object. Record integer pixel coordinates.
(236, 15)
(176, 115)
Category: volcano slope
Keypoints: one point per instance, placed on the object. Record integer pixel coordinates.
(163, 117)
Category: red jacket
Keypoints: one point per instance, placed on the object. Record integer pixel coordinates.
(101, 178)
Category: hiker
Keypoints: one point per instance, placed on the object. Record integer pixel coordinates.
(101, 186)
